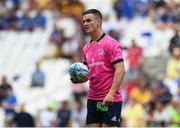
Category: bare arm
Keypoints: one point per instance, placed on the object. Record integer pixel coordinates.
(118, 77)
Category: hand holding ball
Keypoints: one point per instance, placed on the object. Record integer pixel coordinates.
(78, 72)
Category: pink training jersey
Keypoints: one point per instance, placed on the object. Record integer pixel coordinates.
(100, 56)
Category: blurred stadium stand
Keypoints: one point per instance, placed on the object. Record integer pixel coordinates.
(20, 52)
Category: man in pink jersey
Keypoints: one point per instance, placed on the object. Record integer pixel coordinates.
(103, 56)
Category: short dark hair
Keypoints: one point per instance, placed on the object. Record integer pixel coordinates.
(93, 11)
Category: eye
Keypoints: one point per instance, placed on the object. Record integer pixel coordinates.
(88, 20)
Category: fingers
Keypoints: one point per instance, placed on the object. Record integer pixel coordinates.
(108, 100)
(104, 102)
(73, 80)
(107, 103)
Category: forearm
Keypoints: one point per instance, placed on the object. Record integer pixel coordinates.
(117, 80)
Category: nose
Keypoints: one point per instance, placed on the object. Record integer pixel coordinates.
(85, 23)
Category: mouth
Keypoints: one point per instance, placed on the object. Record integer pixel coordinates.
(86, 28)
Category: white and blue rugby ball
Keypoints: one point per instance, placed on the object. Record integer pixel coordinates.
(79, 72)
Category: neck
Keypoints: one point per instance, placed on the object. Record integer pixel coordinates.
(96, 35)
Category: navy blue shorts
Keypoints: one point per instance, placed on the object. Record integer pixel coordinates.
(110, 117)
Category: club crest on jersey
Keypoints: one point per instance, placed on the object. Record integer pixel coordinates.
(101, 51)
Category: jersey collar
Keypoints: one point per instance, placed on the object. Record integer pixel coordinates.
(99, 37)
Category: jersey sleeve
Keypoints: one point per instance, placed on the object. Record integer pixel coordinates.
(115, 52)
